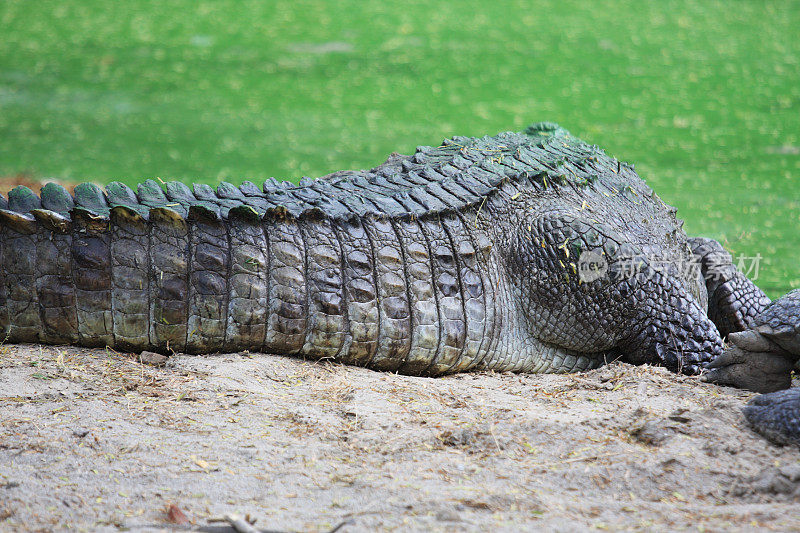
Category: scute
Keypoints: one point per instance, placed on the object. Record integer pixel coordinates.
(461, 172)
(21, 199)
(780, 322)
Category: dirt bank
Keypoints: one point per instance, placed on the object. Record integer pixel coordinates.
(94, 440)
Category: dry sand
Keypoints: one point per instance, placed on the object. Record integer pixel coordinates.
(93, 440)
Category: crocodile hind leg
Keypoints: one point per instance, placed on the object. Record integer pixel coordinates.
(754, 361)
(733, 300)
(584, 286)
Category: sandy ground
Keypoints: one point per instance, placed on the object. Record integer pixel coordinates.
(93, 440)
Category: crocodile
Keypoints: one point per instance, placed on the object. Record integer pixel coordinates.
(761, 358)
(526, 251)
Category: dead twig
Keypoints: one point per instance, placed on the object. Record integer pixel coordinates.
(580, 459)
(240, 525)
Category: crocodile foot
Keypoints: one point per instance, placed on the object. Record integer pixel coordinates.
(776, 416)
(761, 358)
(759, 370)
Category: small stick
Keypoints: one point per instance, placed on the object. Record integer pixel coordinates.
(240, 525)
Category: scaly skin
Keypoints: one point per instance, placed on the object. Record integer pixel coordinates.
(466, 256)
(761, 359)
(776, 416)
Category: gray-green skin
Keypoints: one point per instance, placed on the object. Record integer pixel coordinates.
(761, 359)
(460, 257)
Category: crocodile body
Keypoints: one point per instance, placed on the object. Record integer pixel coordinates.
(459, 257)
(525, 252)
(463, 256)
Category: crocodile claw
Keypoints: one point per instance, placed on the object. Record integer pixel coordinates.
(761, 359)
(755, 371)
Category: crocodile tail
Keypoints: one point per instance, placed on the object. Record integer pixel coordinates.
(177, 270)
(170, 269)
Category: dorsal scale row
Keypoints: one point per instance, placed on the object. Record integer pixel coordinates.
(459, 173)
